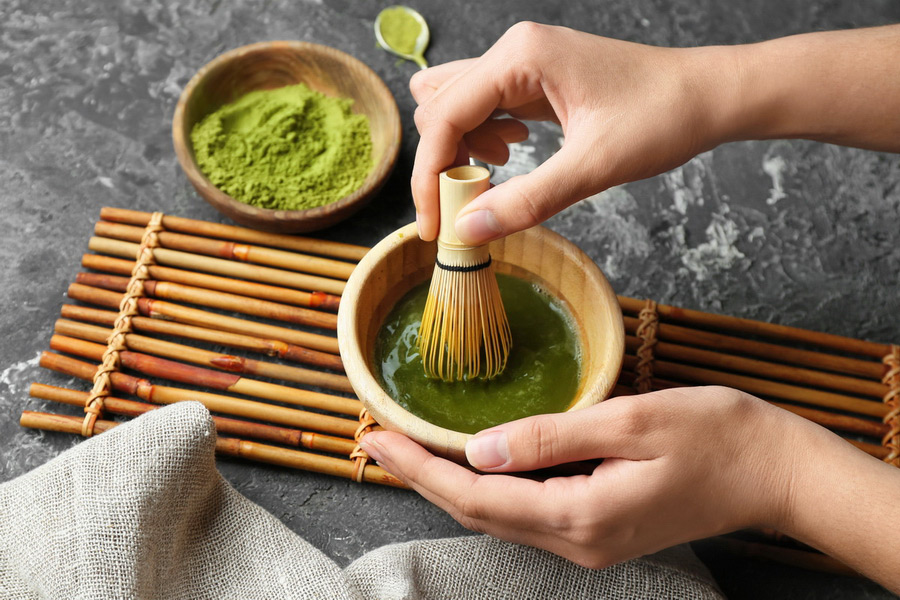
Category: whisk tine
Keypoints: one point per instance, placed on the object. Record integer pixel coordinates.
(464, 332)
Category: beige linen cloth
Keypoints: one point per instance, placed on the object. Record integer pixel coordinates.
(142, 512)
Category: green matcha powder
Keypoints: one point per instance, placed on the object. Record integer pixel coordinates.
(399, 29)
(290, 148)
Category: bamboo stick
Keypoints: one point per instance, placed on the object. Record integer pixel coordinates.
(238, 407)
(750, 327)
(220, 266)
(223, 338)
(228, 426)
(240, 234)
(160, 309)
(762, 387)
(768, 370)
(230, 250)
(120, 266)
(225, 362)
(284, 457)
(165, 290)
(217, 380)
(784, 354)
(840, 422)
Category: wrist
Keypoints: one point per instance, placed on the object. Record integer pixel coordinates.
(834, 86)
(776, 446)
(713, 82)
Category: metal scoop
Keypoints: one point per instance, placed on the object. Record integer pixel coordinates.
(418, 52)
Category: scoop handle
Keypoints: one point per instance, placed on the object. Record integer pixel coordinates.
(458, 187)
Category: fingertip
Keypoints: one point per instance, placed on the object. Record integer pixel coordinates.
(426, 228)
(371, 444)
(488, 450)
(478, 227)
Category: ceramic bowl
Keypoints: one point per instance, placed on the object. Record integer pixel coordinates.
(401, 261)
(268, 65)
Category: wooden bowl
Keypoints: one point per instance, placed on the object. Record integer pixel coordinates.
(401, 261)
(268, 65)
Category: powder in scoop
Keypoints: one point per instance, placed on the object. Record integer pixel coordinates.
(290, 148)
(399, 29)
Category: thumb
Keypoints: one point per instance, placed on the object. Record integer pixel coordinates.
(607, 430)
(525, 200)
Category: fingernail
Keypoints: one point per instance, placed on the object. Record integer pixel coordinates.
(479, 226)
(371, 447)
(487, 451)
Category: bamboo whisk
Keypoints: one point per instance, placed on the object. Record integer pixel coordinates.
(464, 332)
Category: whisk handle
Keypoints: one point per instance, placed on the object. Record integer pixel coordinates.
(458, 187)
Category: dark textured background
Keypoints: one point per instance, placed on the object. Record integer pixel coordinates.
(794, 232)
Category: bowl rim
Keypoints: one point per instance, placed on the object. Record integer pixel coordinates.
(185, 153)
(379, 403)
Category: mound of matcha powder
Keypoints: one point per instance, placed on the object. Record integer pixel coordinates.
(289, 148)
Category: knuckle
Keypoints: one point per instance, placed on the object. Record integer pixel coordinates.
(636, 418)
(425, 116)
(470, 508)
(521, 46)
(740, 403)
(543, 440)
(586, 536)
(532, 206)
(417, 84)
(526, 32)
(595, 559)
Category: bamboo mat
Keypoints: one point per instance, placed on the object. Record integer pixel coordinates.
(162, 295)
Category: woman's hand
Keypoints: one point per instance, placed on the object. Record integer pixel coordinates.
(679, 465)
(628, 111)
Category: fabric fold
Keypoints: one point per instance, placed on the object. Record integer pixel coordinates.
(142, 512)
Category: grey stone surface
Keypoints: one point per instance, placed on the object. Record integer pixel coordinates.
(795, 232)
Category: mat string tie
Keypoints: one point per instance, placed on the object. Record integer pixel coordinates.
(115, 343)
(646, 332)
(359, 456)
(891, 378)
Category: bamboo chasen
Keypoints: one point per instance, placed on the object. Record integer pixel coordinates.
(231, 250)
(121, 266)
(764, 387)
(217, 380)
(177, 292)
(268, 347)
(767, 369)
(224, 362)
(238, 234)
(229, 405)
(236, 427)
(220, 266)
(275, 455)
(786, 354)
(770, 330)
(150, 307)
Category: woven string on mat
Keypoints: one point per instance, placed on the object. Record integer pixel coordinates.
(359, 456)
(127, 309)
(891, 440)
(646, 332)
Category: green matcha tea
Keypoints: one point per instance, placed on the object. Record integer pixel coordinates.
(541, 375)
